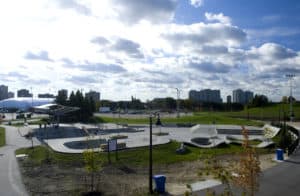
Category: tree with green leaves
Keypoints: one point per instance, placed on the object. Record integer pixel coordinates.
(91, 166)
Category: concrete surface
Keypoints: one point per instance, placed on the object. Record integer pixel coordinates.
(10, 178)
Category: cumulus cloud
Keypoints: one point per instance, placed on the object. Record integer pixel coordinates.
(17, 75)
(97, 67)
(218, 17)
(213, 50)
(132, 49)
(41, 55)
(196, 3)
(100, 40)
(75, 5)
(155, 11)
(270, 53)
(273, 58)
(125, 46)
(35, 81)
(209, 67)
(198, 34)
(81, 80)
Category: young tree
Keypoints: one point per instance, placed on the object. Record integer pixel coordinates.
(248, 169)
(219, 170)
(91, 165)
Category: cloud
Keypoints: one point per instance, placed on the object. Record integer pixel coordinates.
(163, 80)
(218, 17)
(273, 58)
(213, 50)
(198, 34)
(100, 40)
(97, 67)
(196, 3)
(17, 75)
(41, 55)
(37, 81)
(132, 49)
(73, 4)
(120, 45)
(209, 67)
(273, 32)
(155, 11)
(272, 51)
(80, 80)
(155, 72)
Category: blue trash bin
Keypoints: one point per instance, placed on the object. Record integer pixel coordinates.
(279, 154)
(160, 181)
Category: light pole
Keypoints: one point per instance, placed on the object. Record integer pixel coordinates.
(150, 149)
(31, 97)
(177, 103)
(150, 157)
(290, 77)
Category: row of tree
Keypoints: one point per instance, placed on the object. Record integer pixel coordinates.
(169, 104)
(86, 105)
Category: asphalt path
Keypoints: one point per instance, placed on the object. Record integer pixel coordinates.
(10, 178)
(282, 179)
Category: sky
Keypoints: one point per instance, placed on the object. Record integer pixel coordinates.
(147, 48)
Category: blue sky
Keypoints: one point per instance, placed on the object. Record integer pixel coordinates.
(146, 48)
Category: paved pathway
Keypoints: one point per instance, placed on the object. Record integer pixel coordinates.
(282, 179)
(10, 178)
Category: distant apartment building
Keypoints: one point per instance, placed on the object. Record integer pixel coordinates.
(228, 99)
(248, 96)
(63, 92)
(206, 95)
(11, 95)
(46, 95)
(94, 95)
(3, 92)
(242, 97)
(23, 93)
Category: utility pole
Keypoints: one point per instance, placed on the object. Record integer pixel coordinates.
(177, 103)
(150, 157)
(31, 97)
(290, 77)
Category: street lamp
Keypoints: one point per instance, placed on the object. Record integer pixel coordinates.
(158, 122)
(291, 76)
(177, 103)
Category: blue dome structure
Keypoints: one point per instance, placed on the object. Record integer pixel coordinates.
(24, 103)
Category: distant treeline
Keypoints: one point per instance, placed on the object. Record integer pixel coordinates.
(76, 99)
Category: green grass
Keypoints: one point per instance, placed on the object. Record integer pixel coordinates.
(162, 154)
(202, 118)
(266, 112)
(2, 136)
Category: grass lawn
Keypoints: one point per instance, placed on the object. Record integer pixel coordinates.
(266, 112)
(203, 118)
(2, 136)
(162, 154)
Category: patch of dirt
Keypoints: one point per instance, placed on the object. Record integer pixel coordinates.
(53, 179)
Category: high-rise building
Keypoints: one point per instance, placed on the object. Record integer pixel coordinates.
(238, 96)
(229, 99)
(242, 97)
(63, 92)
(11, 95)
(24, 93)
(94, 95)
(206, 95)
(248, 96)
(3, 92)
